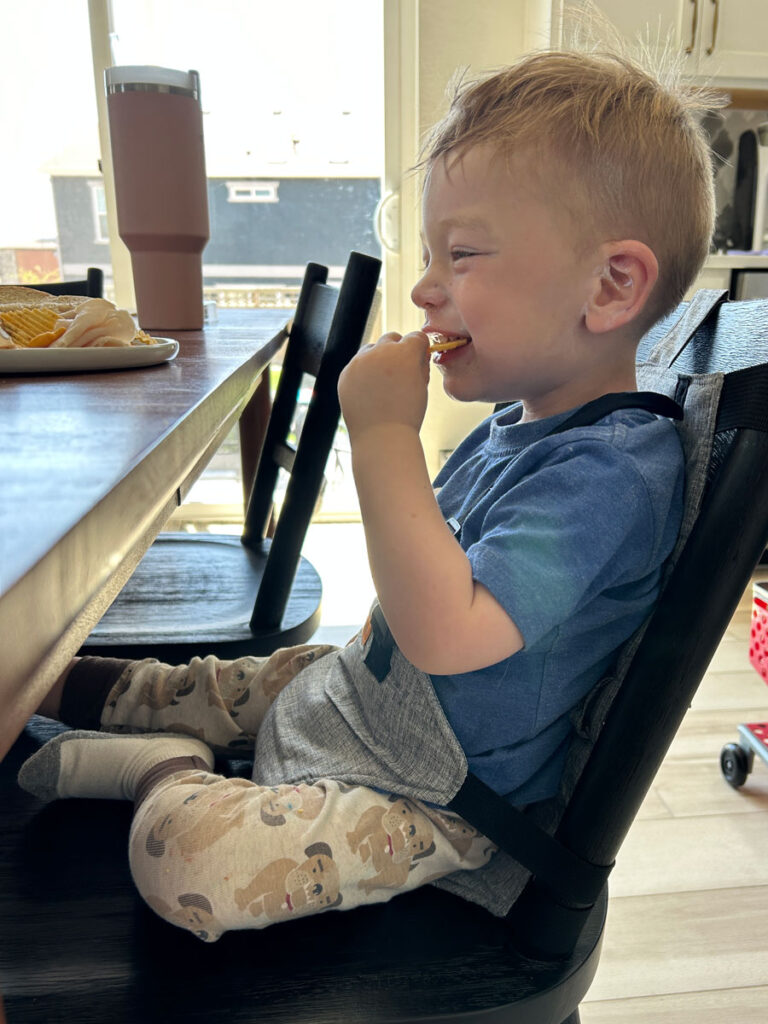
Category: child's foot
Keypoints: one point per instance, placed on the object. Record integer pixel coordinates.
(102, 766)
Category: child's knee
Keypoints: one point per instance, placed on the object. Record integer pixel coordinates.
(169, 844)
(170, 888)
(190, 910)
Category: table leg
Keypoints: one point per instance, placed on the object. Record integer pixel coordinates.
(253, 428)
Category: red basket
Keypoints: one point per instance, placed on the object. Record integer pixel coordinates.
(758, 634)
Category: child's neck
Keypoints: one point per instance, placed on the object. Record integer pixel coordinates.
(575, 393)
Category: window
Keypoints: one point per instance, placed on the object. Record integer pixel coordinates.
(292, 98)
(252, 191)
(99, 207)
(47, 159)
(293, 125)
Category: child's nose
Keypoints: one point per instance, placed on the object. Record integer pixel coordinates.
(425, 292)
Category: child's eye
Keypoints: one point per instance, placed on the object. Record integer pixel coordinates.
(460, 254)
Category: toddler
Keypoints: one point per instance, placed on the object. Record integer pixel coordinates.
(567, 205)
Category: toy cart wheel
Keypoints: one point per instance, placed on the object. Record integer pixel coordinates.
(734, 764)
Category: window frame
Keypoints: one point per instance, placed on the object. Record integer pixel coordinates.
(99, 211)
(252, 191)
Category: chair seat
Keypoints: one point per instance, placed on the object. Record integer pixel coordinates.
(79, 944)
(193, 594)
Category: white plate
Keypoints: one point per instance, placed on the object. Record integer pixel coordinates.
(76, 360)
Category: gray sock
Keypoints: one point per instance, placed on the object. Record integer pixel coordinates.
(102, 766)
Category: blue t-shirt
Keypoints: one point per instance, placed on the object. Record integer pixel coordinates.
(569, 534)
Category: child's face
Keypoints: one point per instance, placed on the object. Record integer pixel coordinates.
(502, 268)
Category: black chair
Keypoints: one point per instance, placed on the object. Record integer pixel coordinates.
(91, 286)
(204, 593)
(68, 908)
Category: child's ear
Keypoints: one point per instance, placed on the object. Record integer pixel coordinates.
(623, 282)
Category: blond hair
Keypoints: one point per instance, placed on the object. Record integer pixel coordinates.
(621, 150)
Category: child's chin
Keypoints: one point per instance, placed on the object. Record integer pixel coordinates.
(461, 390)
(468, 387)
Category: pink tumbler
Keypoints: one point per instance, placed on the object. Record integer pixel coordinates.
(156, 130)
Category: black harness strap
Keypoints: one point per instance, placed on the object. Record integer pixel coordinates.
(595, 410)
(572, 879)
(744, 400)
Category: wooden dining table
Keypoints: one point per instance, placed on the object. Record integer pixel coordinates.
(92, 464)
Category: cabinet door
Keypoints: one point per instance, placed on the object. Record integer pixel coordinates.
(722, 39)
(734, 40)
(677, 23)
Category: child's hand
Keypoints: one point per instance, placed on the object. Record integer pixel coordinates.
(386, 383)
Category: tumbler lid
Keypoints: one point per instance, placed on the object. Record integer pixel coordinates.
(147, 78)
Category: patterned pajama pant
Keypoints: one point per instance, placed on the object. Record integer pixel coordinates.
(213, 854)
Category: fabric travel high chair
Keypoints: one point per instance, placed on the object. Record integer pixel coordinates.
(92, 285)
(205, 593)
(428, 955)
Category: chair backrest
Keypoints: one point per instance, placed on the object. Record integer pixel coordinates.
(91, 286)
(629, 735)
(327, 330)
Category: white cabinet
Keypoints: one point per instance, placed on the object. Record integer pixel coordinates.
(725, 40)
(733, 40)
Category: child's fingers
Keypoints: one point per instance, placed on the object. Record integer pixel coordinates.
(417, 338)
(394, 349)
(413, 337)
(386, 383)
(415, 343)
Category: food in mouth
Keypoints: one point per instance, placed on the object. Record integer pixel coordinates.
(440, 343)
